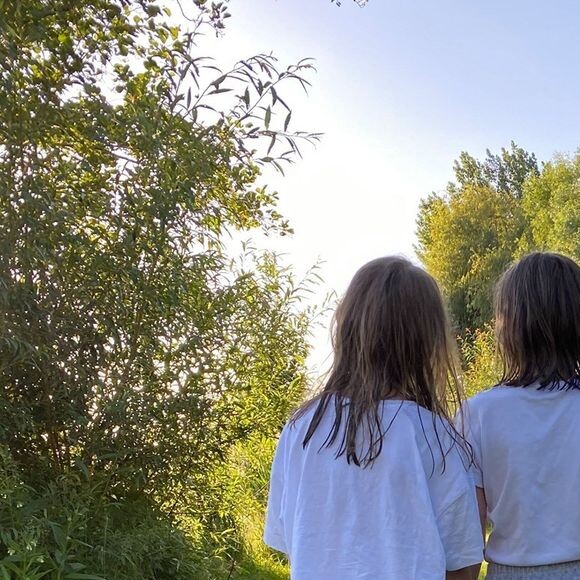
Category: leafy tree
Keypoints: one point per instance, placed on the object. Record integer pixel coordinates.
(551, 203)
(465, 241)
(505, 173)
(467, 235)
(135, 353)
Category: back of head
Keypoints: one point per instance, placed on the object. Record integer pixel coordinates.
(537, 308)
(391, 340)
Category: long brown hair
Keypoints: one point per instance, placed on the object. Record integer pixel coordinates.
(391, 340)
(537, 310)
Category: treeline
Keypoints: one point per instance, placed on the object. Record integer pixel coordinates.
(144, 369)
(496, 210)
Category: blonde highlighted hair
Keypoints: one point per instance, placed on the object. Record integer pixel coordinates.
(391, 340)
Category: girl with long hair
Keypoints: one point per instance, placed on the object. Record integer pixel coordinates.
(525, 432)
(370, 478)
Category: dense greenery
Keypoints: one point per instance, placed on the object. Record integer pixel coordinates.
(138, 358)
(551, 205)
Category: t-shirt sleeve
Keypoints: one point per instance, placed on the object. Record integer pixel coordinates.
(460, 532)
(467, 423)
(274, 528)
(454, 504)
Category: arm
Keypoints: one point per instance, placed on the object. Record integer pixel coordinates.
(482, 505)
(470, 573)
(274, 532)
(460, 533)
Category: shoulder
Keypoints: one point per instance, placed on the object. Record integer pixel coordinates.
(425, 421)
(437, 437)
(491, 396)
(291, 436)
(300, 419)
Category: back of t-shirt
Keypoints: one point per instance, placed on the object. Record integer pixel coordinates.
(526, 443)
(401, 517)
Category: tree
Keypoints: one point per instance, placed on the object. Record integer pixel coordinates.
(551, 203)
(466, 241)
(506, 172)
(469, 234)
(135, 352)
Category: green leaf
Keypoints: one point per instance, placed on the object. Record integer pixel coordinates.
(58, 534)
(82, 576)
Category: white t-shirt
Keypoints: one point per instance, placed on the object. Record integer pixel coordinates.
(526, 444)
(399, 519)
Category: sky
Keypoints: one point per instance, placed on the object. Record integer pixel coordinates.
(401, 89)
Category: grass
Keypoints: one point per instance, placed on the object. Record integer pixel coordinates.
(271, 570)
(261, 570)
(483, 571)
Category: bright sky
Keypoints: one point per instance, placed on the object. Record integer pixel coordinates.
(402, 87)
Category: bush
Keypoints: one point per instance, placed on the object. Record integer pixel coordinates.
(480, 360)
(246, 480)
(74, 529)
(135, 351)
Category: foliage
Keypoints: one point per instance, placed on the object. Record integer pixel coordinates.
(135, 352)
(245, 484)
(71, 528)
(506, 172)
(470, 233)
(480, 362)
(551, 203)
(465, 240)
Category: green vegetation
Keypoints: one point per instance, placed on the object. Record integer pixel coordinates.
(144, 369)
